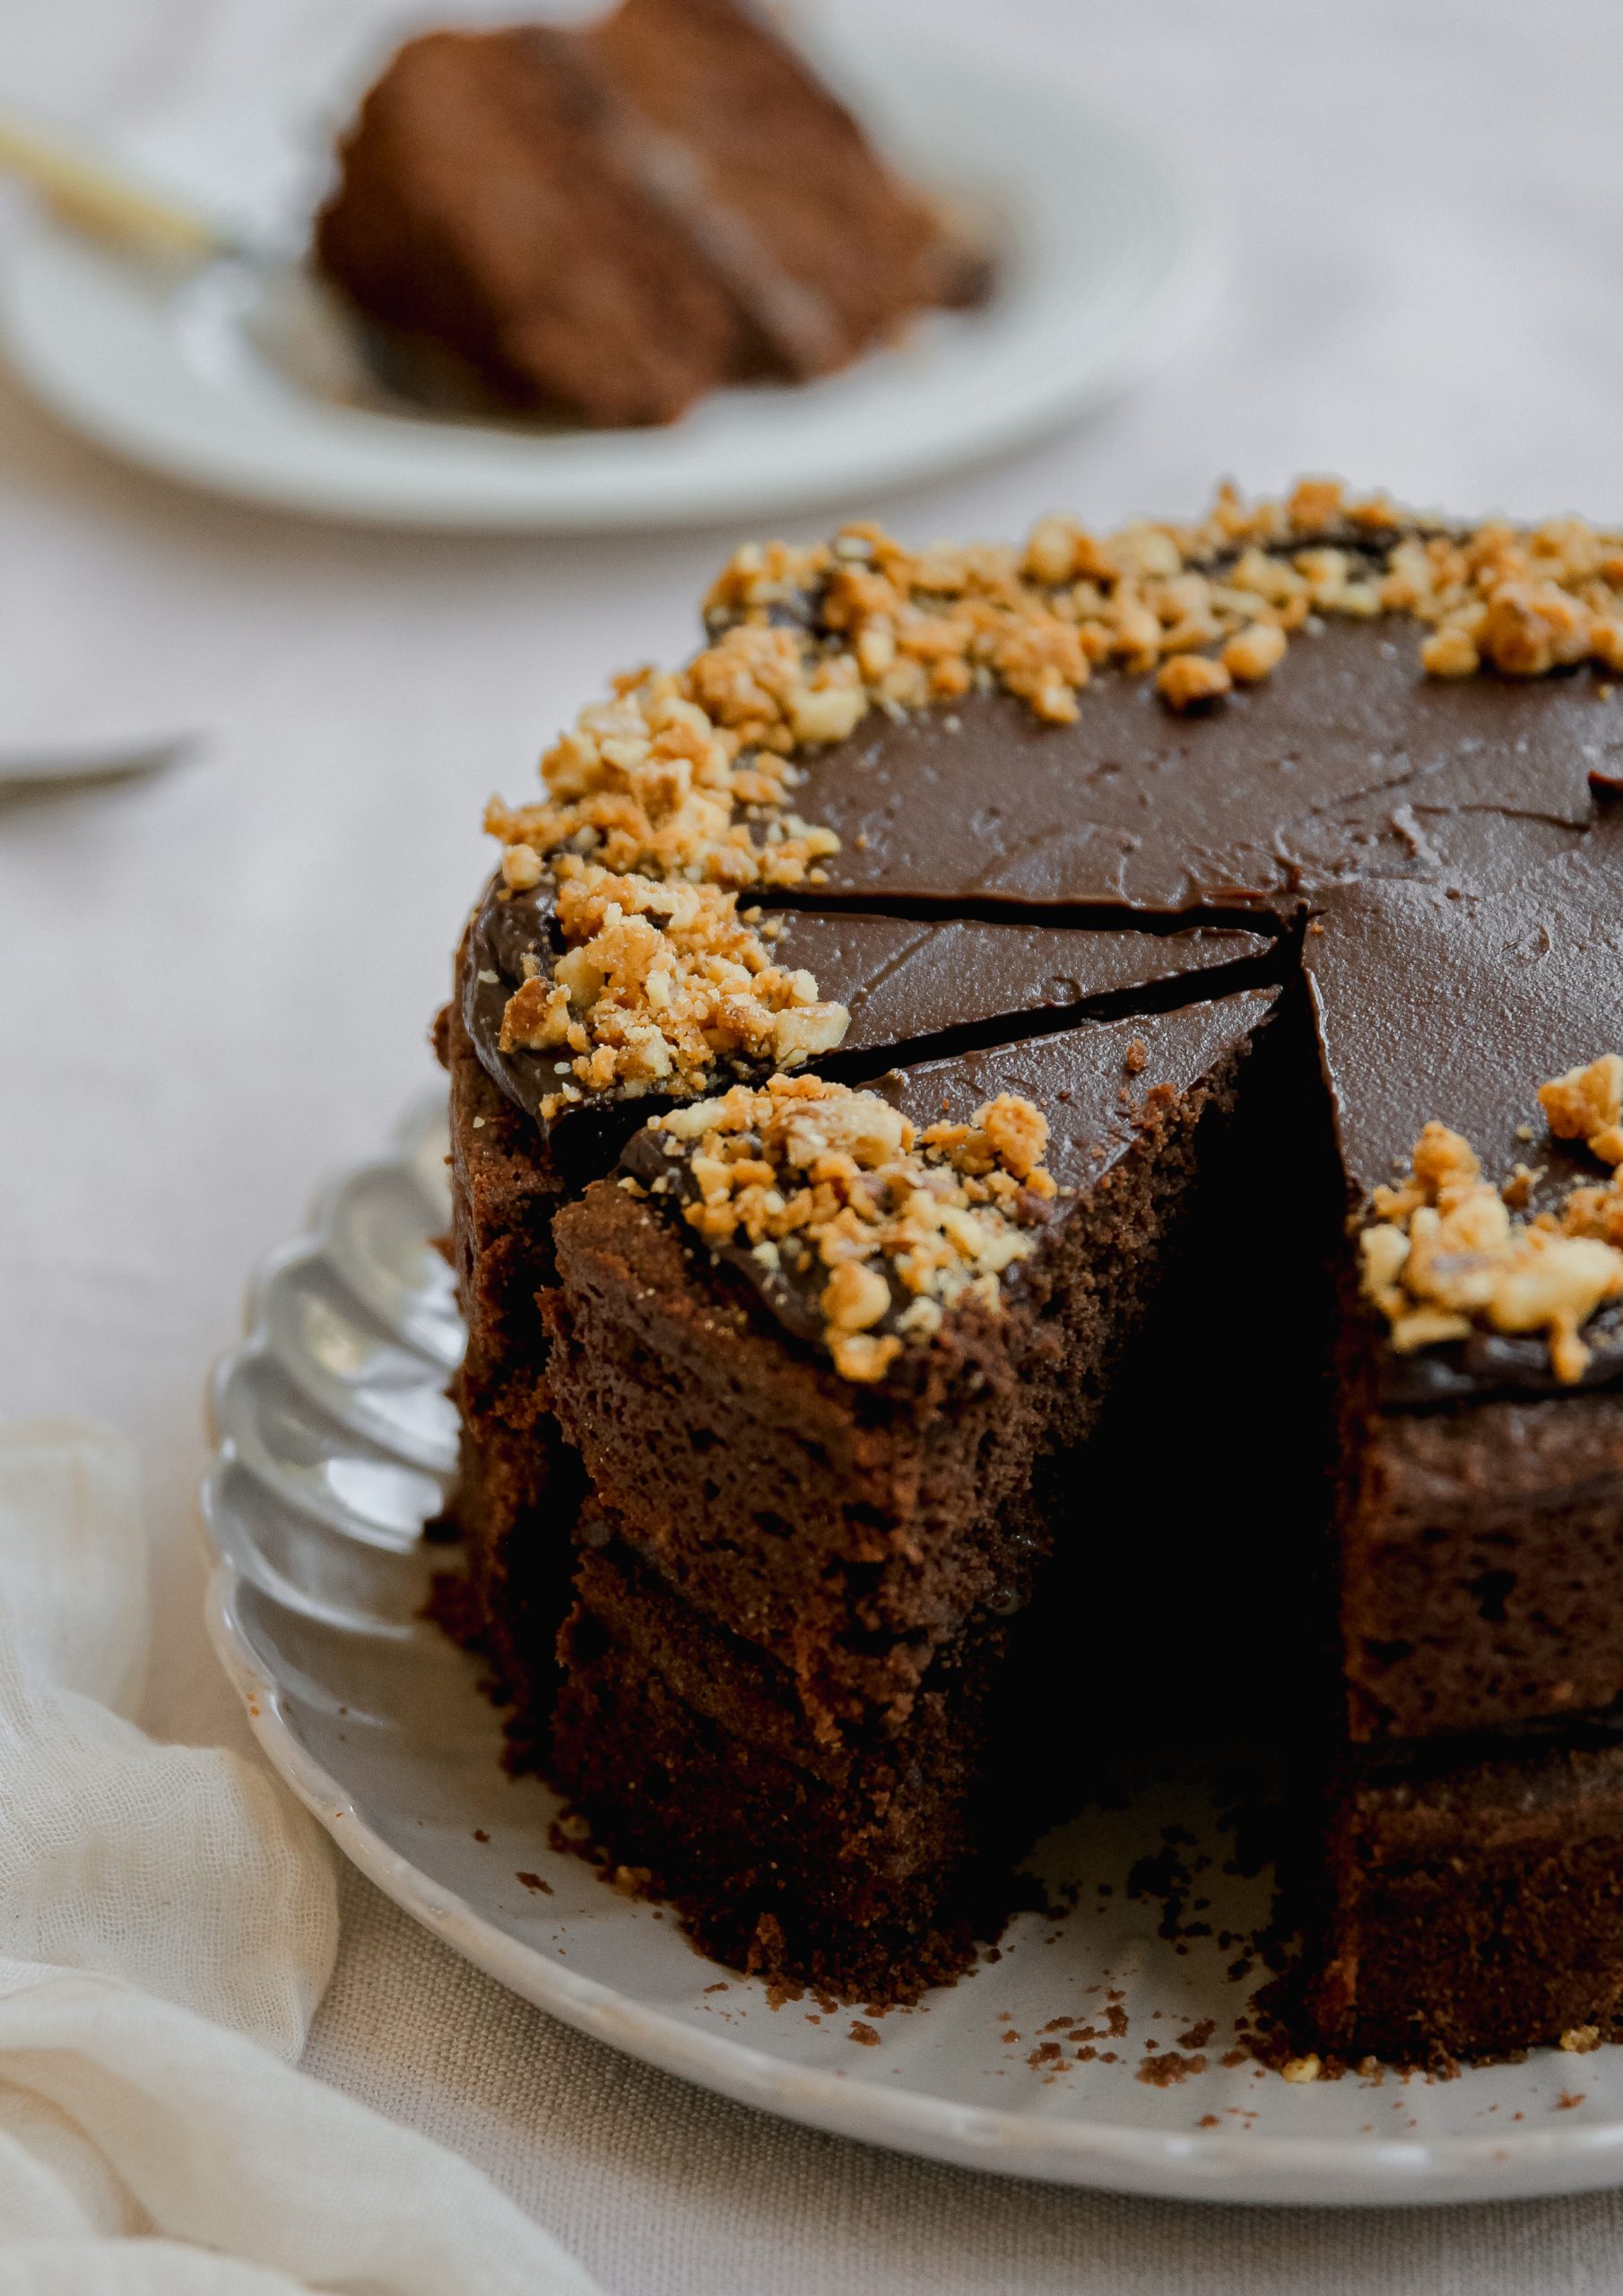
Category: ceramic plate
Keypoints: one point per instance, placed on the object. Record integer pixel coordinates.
(241, 386)
(1069, 2054)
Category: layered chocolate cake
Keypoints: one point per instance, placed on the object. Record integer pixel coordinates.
(1018, 1074)
(607, 221)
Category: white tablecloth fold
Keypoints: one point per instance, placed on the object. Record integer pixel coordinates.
(168, 1925)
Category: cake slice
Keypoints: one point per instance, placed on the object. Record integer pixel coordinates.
(839, 1467)
(608, 222)
(903, 981)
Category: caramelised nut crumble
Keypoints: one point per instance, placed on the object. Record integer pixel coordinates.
(873, 1223)
(1445, 1251)
(672, 981)
(1586, 1104)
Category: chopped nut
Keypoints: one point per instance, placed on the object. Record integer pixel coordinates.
(1533, 628)
(1018, 1133)
(1578, 2041)
(1315, 503)
(855, 1297)
(1254, 652)
(1301, 2069)
(1450, 653)
(1586, 1103)
(1190, 679)
(520, 868)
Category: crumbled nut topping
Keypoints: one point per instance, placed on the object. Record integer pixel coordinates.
(672, 980)
(689, 777)
(1444, 1252)
(877, 1222)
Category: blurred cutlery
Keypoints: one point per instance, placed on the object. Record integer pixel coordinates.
(98, 190)
(29, 772)
(293, 317)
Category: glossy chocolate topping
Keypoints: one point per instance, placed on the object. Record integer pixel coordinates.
(1444, 834)
(1459, 1009)
(1086, 1083)
(1346, 760)
(905, 982)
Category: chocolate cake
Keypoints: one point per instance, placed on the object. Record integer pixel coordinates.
(606, 221)
(1021, 1071)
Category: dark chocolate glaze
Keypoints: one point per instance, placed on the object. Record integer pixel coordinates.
(906, 982)
(1347, 761)
(1445, 835)
(1459, 1008)
(1082, 1080)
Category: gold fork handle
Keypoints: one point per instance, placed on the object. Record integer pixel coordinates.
(98, 191)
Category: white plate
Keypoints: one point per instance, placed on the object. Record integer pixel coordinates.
(1108, 264)
(335, 1442)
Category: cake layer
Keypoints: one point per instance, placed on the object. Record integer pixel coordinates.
(1482, 1564)
(1476, 1904)
(820, 245)
(829, 1522)
(869, 1870)
(505, 1189)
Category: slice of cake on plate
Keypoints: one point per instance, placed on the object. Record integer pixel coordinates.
(605, 222)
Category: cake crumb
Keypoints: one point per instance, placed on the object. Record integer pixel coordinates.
(534, 1882)
(863, 2035)
(1168, 2070)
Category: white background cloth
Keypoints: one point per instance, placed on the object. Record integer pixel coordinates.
(167, 1927)
(217, 987)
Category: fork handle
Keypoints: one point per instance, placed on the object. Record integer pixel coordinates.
(97, 191)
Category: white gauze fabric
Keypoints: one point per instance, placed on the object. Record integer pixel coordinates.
(168, 1923)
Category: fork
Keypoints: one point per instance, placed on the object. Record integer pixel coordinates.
(31, 772)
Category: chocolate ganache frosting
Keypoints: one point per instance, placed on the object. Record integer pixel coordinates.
(906, 981)
(1347, 761)
(1091, 1082)
(1435, 846)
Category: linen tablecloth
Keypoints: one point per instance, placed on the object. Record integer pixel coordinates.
(217, 987)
